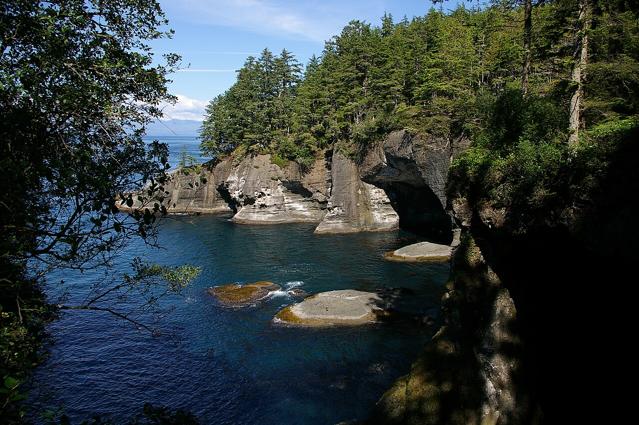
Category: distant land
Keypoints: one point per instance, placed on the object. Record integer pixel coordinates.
(183, 128)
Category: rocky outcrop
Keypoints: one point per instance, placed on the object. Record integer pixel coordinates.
(235, 295)
(334, 308)
(265, 193)
(192, 190)
(425, 252)
(401, 178)
(413, 171)
(479, 343)
(258, 191)
(411, 160)
(355, 206)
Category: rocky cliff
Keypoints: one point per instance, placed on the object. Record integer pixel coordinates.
(258, 191)
(533, 322)
(264, 193)
(400, 181)
(353, 205)
(413, 171)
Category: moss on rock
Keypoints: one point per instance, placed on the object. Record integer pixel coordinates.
(241, 295)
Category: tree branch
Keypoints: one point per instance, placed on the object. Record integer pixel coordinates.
(111, 311)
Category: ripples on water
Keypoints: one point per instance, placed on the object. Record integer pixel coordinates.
(233, 366)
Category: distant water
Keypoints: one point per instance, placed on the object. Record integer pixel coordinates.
(179, 144)
(235, 366)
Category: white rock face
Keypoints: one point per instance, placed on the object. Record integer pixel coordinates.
(266, 194)
(355, 206)
(330, 193)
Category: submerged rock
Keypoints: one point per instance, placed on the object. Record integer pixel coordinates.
(298, 293)
(236, 295)
(334, 308)
(421, 252)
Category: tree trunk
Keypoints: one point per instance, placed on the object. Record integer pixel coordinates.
(579, 70)
(527, 42)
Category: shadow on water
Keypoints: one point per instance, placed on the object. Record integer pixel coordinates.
(561, 352)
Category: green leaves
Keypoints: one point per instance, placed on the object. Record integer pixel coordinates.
(176, 278)
(256, 112)
(78, 84)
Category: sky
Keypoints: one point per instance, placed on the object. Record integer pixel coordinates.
(214, 37)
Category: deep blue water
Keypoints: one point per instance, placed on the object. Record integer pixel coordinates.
(234, 366)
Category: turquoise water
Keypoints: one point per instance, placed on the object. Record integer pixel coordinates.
(234, 366)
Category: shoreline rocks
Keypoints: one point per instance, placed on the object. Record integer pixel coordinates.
(334, 308)
(236, 295)
(355, 206)
(265, 193)
(258, 191)
(422, 252)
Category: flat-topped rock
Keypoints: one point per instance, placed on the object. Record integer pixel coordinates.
(421, 252)
(235, 295)
(335, 308)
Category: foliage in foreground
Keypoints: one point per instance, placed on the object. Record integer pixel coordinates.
(78, 84)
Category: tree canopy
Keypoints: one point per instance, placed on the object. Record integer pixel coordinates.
(434, 75)
(78, 84)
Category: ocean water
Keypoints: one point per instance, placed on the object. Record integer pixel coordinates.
(179, 144)
(235, 366)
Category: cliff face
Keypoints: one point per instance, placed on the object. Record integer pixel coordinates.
(192, 192)
(413, 172)
(354, 205)
(533, 320)
(264, 193)
(471, 371)
(258, 191)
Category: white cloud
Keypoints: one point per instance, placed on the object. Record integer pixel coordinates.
(185, 108)
(299, 19)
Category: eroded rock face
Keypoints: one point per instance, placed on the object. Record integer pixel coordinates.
(193, 191)
(235, 295)
(413, 171)
(260, 192)
(355, 206)
(264, 193)
(412, 160)
(334, 308)
(404, 176)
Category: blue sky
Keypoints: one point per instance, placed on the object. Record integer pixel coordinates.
(215, 37)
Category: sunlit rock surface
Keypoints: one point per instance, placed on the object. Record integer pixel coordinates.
(421, 252)
(355, 206)
(334, 308)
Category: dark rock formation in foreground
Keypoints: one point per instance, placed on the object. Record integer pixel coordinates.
(535, 326)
